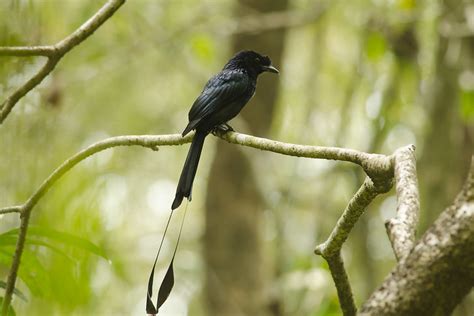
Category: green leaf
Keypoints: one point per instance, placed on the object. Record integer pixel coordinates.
(57, 236)
(39, 278)
(17, 292)
(11, 312)
(31, 271)
(10, 240)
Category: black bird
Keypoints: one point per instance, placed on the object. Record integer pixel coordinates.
(222, 98)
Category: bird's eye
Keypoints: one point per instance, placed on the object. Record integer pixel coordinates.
(257, 60)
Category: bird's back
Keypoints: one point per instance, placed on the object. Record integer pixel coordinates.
(222, 98)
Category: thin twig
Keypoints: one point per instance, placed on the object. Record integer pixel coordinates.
(24, 51)
(330, 250)
(363, 197)
(90, 26)
(54, 53)
(12, 274)
(343, 286)
(402, 228)
(148, 141)
(10, 102)
(11, 209)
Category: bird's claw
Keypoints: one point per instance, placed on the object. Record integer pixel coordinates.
(222, 129)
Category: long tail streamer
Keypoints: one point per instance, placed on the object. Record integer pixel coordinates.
(168, 281)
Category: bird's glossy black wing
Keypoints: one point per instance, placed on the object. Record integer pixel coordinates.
(220, 91)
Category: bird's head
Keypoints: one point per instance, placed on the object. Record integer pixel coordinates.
(251, 61)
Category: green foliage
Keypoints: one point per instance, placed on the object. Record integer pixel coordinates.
(94, 234)
(376, 46)
(41, 236)
(466, 102)
(11, 312)
(37, 268)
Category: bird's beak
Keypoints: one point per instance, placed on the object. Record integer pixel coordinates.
(270, 69)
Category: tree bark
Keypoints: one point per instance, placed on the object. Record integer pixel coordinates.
(439, 271)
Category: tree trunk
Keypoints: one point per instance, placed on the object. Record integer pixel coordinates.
(447, 148)
(233, 253)
(439, 271)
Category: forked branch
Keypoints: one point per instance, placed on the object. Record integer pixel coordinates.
(438, 272)
(330, 250)
(373, 164)
(402, 228)
(54, 53)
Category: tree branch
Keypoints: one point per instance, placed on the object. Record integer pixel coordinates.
(402, 228)
(54, 53)
(439, 271)
(370, 161)
(330, 250)
(10, 209)
(25, 209)
(25, 51)
(343, 286)
(375, 165)
(346, 222)
(10, 102)
(148, 141)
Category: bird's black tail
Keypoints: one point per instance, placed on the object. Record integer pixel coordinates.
(185, 184)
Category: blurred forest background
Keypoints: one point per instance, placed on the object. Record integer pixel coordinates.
(372, 75)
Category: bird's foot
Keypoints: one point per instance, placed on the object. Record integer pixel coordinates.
(222, 129)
